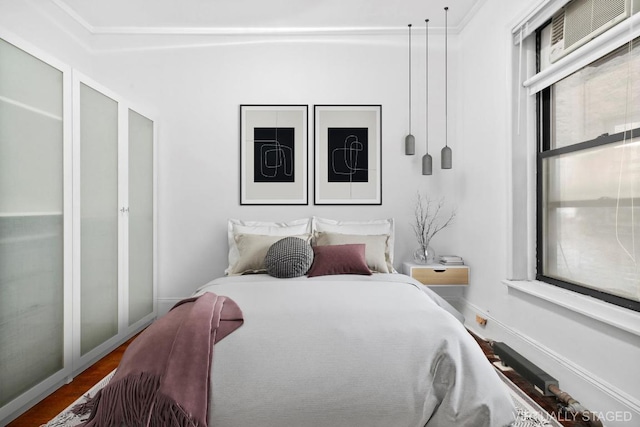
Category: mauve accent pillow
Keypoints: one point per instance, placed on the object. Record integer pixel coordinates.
(339, 259)
(374, 253)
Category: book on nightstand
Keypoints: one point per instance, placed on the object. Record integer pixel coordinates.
(451, 260)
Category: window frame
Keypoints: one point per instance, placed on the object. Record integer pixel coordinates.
(543, 151)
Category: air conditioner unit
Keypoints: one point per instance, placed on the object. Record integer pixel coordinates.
(582, 20)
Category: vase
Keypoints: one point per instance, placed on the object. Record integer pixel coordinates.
(424, 255)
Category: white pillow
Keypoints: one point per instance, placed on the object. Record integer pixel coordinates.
(375, 247)
(362, 227)
(236, 226)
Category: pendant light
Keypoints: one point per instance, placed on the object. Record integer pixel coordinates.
(445, 155)
(427, 161)
(409, 140)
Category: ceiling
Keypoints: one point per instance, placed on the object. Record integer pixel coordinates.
(255, 16)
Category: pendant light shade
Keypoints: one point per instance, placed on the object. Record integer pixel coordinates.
(445, 157)
(409, 145)
(427, 164)
(446, 154)
(427, 160)
(409, 140)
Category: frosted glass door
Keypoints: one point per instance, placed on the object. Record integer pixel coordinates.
(31, 222)
(99, 218)
(140, 217)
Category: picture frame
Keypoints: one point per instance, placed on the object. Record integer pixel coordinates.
(274, 154)
(348, 154)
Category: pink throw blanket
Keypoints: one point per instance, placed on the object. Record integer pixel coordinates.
(163, 377)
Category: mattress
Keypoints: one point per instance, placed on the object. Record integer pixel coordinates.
(349, 350)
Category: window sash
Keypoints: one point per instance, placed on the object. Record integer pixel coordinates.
(547, 206)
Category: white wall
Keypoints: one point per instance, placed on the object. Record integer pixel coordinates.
(593, 361)
(199, 90)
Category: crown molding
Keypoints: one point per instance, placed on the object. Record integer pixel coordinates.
(74, 15)
(467, 18)
(256, 31)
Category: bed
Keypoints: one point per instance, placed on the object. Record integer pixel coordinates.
(332, 336)
(349, 350)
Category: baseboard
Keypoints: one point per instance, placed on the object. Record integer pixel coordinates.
(498, 330)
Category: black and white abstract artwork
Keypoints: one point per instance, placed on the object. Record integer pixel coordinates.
(274, 159)
(274, 155)
(347, 155)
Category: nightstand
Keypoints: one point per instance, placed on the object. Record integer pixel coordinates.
(437, 274)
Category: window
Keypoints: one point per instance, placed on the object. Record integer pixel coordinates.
(588, 179)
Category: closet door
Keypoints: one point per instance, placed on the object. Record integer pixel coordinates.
(34, 232)
(114, 284)
(141, 218)
(99, 213)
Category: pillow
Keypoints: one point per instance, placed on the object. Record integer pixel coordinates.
(368, 227)
(338, 259)
(282, 229)
(375, 247)
(289, 257)
(252, 250)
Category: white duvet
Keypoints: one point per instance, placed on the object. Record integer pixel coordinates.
(349, 351)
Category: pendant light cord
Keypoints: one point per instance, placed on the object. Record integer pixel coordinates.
(409, 78)
(446, 73)
(427, 84)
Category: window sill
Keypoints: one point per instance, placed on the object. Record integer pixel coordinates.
(621, 318)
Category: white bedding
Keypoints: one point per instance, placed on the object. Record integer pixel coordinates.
(349, 351)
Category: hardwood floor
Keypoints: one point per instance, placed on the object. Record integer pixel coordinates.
(67, 394)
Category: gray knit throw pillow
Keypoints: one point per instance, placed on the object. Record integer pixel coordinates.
(289, 257)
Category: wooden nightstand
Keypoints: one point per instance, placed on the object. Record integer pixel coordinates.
(437, 274)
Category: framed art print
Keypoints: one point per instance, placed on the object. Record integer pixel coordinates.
(347, 141)
(273, 155)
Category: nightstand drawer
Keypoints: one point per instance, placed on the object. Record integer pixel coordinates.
(435, 276)
(438, 275)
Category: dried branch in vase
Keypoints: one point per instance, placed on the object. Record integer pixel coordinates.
(427, 219)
